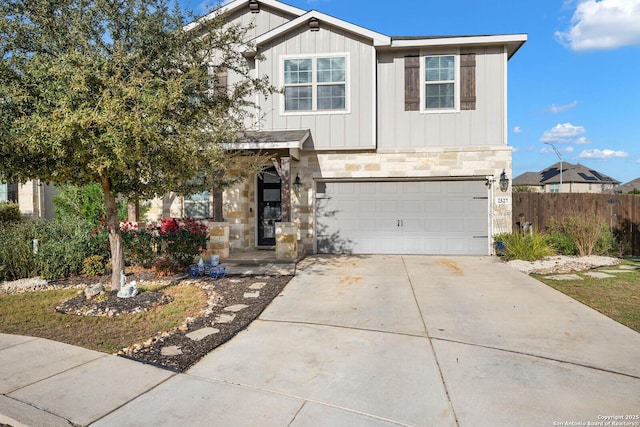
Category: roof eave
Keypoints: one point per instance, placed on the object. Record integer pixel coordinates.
(237, 4)
(376, 38)
(513, 42)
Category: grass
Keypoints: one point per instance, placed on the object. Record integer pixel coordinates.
(617, 297)
(33, 314)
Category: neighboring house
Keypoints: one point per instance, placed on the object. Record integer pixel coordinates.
(8, 192)
(628, 187)
(380, 145)
(575, 179)
(34, 198)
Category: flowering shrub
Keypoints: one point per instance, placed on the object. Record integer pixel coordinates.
(140, 244)
(183, 240)
(180, 241)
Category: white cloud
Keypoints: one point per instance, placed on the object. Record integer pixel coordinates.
(569, 149)
(603, 154)
(603, 24)
(564, 132)
(560, 108)
(517, 129)
(582, 140)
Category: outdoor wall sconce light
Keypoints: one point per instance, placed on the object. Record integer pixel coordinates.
(504, 181)
(254, 6)
(297, 184)
(314, 24)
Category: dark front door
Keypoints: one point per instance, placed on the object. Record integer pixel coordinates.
(268, 206)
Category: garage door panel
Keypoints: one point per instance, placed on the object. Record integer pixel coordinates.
(422, 217)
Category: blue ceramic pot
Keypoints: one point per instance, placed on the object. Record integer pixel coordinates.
(193, 270)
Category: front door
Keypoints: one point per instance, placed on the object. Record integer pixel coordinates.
(268, 208)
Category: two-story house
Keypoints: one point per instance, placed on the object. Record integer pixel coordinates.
(379, 145)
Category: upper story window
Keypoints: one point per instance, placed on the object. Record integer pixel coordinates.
(440, 82)
(554, 188)
(315, 84)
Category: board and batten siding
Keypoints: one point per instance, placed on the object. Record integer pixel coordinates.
(353, 129)
(262, 22)
(483, 126)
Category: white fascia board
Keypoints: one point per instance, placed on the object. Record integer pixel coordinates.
(237, 4)
(513, 41)
(264, 145)
(377, 38)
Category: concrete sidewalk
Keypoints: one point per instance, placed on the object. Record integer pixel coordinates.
(355, 341)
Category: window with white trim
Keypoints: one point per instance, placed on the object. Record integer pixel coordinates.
(440, 82)
(315, 83)
(554, 188)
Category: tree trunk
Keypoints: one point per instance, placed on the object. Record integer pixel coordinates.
(115, 238)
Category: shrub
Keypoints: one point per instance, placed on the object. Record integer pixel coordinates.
(529, 247)
(562, 243)
(140, 245)
(590, 235)
(182, 241)
(17, 260)
(86, 202)
(94, 265)
(61, 248)
(9, 212)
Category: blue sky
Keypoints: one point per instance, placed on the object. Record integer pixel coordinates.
(573, 84)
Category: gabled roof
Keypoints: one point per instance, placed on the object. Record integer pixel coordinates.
(237, 4)
(570, 173)
(528, 179)
(513, 42)
(629, 186)
(377, 38)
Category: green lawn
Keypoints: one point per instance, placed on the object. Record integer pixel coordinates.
(34, 314)
(617, 297)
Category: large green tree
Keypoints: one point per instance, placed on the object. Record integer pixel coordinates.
(120, 93)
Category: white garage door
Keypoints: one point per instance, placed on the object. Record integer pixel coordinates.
(409, 217)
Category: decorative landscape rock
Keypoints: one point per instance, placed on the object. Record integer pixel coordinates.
(93, 290)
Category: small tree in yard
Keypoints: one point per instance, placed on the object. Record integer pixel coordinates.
(120, 94)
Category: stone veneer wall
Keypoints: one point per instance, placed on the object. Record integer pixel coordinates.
(239, 212)
(472, 162)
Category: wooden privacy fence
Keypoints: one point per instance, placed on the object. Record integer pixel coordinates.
(620, 211)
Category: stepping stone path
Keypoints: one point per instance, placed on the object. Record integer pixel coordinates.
(202, 333)
(628, 267)
(236, 308)
(224, 318)
(598, 275)
(171, 350)
(565, 277)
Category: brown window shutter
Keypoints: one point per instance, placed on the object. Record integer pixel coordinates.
(468, 81)
(412, 83)
(220, 81)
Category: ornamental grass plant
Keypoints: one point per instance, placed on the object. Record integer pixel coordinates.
(528, 247)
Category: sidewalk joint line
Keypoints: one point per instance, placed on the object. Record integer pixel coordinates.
(433, 350)
(302, 398)
(538, 356)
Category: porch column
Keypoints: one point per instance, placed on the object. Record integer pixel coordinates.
(216, 213)
(218, 239)
(284, 170)
(286, 241)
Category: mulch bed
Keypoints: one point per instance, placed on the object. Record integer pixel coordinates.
(223, 292)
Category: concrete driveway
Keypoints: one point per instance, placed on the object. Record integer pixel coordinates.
(360, 341)
(409, 340)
